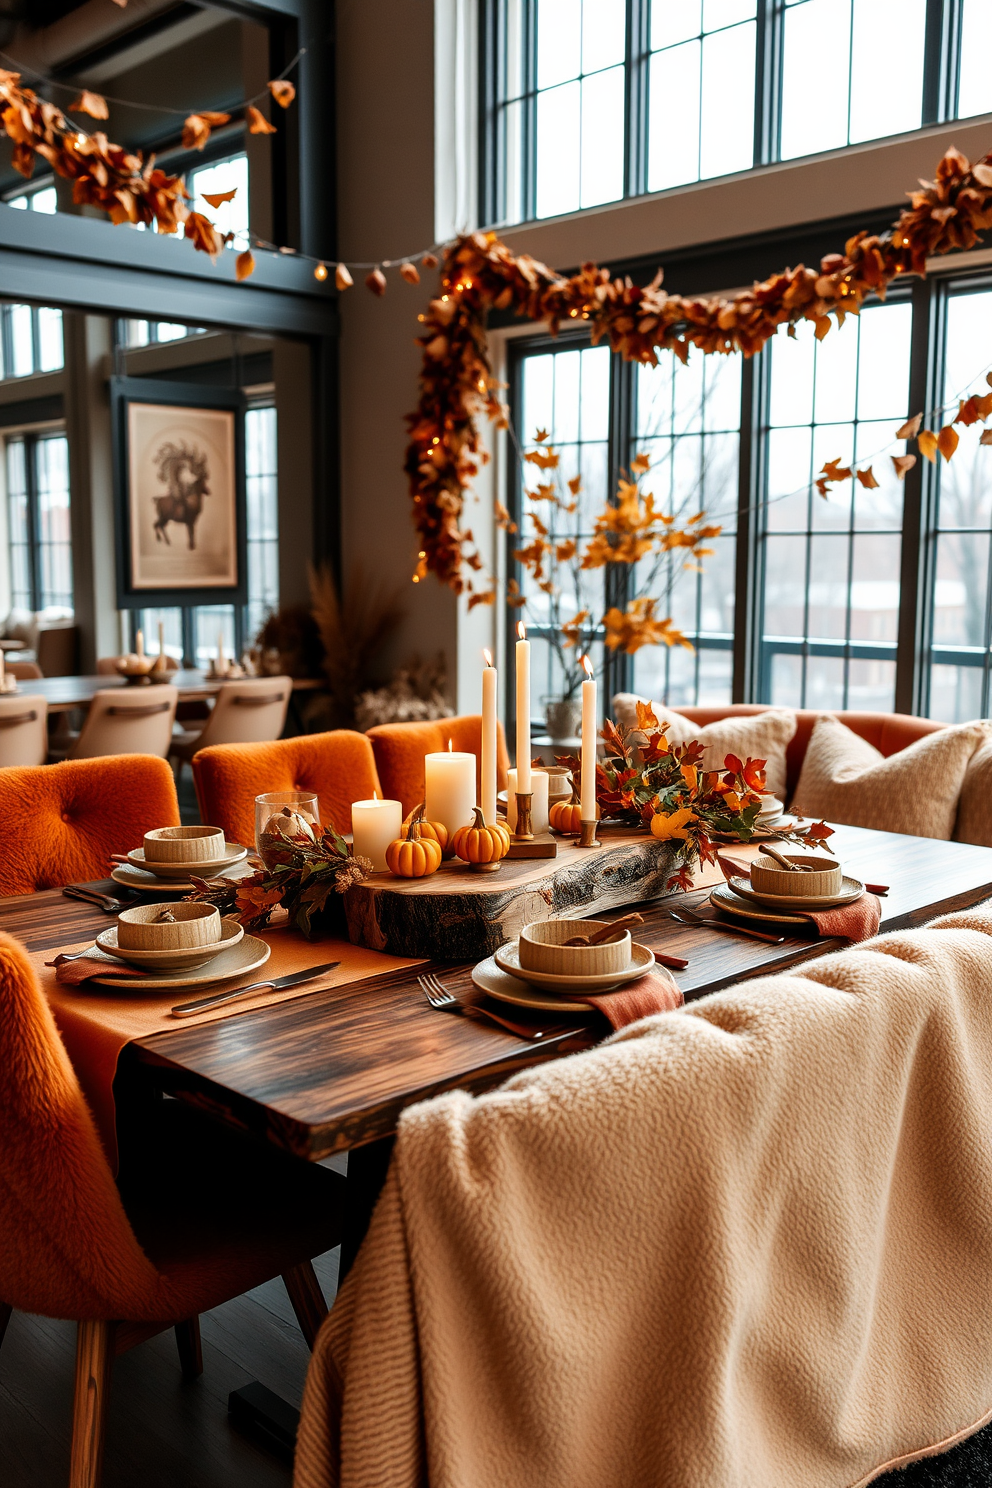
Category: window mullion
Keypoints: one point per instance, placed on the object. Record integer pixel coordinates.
(941, 61)
(33, 517)
(747, 602)
(636, 98)
(768, 81)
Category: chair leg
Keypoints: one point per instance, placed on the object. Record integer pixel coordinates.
(188, 1343)
(94, 1355)
(307, 1299)
(5, 1313)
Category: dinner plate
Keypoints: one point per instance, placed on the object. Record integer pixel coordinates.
(488, 977)
(178, 958)
(507, 958)
(148, 883)
(247, 955)
(233, 853)
(852, 889)
(723, 897)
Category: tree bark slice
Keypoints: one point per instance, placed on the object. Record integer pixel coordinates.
(458, 915)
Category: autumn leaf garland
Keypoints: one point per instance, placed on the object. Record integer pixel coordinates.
(481, 274)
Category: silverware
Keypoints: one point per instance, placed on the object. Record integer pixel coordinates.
(439, 997)
(106, 902)
(689, 917)
(294, 979)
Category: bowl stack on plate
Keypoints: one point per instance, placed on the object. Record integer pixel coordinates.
(784, 896)
(173, 856)
(177, 945)
(539, 970)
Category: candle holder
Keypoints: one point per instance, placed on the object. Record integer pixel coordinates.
(525, 829)
(587, 835)
(8, 683)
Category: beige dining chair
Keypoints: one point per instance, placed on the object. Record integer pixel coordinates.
(23, 730)
(24, 671)
(252, 711)
(58, 649)
(128, 721)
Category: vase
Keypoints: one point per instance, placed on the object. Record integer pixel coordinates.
(564, 719)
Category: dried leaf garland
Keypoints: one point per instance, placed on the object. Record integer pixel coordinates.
(910, 428)
(218, 198)
(480, 274)
(282, 91)
(947, 441)
(927, 442)
(90, 103)
(410, 273)
(867, 478)
(901, 464)
(244, 265)
(342, 277)
(257, 122)
(376, 282)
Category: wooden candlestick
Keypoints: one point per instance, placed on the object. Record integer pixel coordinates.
(587, 835)
(524, 829)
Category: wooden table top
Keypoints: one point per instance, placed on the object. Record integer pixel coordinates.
(332, 1070)
(62, 693)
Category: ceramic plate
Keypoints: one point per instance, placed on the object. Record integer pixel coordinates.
(234, 853)
(507, 958)
(489, 978)
(147, 883)
(723, 897)
(183, 958)
(248, 955)
(851, 889)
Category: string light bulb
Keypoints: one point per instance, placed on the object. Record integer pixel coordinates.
(320, 272)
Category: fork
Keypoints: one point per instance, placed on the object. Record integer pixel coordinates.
(443, 1000)
(688, 917)
(106, 902)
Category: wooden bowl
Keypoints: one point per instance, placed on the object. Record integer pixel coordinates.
(768, 878)
(184, 845)
(542, 948)
(183, 958)
(143, 929)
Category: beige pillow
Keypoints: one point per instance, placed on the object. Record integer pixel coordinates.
(846, 779)
(750, 736)
(974, 823)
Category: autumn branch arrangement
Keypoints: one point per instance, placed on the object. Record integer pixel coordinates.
(479, 274)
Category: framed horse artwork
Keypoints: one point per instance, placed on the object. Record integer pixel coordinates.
(179, 493)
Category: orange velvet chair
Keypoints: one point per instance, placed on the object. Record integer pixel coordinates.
(338, 766)
(62, 822)
(400, 749)
(204, 1216)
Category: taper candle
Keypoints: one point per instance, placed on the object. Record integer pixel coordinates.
(523, 709)
(374, 825)
(489, 682)
(587, 781)
(220, 651)
(161, 640)
(450, 788)
(139, 643)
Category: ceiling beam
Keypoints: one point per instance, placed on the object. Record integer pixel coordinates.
(255, 10)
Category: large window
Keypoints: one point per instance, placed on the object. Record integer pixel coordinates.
(40, 541)
(30, 340)
(585, 101)
(808, 600)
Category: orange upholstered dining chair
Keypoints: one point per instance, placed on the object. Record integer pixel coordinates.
(338, 767)
(400, 749)
(62, 822)
(205, 1216)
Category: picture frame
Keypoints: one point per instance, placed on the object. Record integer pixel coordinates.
(179, 493)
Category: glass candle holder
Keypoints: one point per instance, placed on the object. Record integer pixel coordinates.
(284, 821)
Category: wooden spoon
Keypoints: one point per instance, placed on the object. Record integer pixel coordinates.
(773, 852)
(607, 933)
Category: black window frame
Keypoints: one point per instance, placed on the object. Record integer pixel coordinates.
(31, 439)
(941, 73)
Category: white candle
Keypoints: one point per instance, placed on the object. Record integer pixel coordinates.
(523, 709)
(3, 673)
(374, 825)
(220, 651)
(140, 643)
(590, 728)
(488, 802)
(539, 807)
(161, 640)
(450, 792)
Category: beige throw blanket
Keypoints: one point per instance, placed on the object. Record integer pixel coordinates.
(743, 1245)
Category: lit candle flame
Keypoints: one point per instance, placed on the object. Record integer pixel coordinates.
(521, 631)
(489, 657)
(375, 794)
(449, 746)
(587, 666)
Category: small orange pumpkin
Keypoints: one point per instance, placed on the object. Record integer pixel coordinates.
(566, 816)
(434, 830)
(482, 846)
(413, 856)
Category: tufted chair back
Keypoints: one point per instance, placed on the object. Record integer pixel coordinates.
(338, 766)
(62, 822)
(400, 749)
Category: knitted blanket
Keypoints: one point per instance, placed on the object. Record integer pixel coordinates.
(747, 1244)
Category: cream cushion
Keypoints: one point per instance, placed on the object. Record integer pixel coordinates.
(846, 779)
(974, 823)
(758, 736)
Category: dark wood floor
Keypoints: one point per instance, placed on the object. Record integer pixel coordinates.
(163, 1432)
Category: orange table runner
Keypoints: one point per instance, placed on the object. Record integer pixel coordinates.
(96, 1022)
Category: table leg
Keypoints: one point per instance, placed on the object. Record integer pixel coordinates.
(367, 1168)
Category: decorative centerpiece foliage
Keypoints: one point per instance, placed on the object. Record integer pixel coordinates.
(300, 872)
(646, 781)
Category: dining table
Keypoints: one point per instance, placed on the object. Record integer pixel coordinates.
(328, 1068)
(65, 693)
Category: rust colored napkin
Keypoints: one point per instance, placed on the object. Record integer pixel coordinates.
(73, 971)
(656, 992)
(857, 921)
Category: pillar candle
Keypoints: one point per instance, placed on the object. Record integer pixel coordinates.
(450, 792)
(139, 643)
(161, 640)
(220, 651)
(374, 825)
(587, 783)
(3, 673)
(488, 801)
(539, 806)
(523, 709)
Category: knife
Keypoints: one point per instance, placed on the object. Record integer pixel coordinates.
(294, 979)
